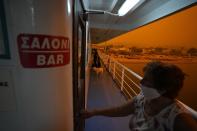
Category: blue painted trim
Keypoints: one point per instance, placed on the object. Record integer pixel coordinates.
(5, 32)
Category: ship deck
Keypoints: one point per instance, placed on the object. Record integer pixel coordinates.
(104, 93)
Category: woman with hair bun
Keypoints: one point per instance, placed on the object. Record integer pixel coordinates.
(155, 108)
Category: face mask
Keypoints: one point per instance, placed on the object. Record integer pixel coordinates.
(149, 93)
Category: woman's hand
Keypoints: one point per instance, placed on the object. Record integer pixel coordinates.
(87, 114)
(119, 111)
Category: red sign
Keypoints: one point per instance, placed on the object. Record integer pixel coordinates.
(42, 51)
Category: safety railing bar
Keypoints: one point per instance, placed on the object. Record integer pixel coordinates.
(194, 113)
(136, 84)
(125, 93)
(112, 61)
(133, 82)
(116, 73)
(118, 69)
(127, 76)
(119, 74)
(129, 96)
(130, 87)
(117, 80)
(128, 92)
(129, 70)
(110, 66)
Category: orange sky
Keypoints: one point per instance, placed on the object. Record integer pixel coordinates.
(177, 30)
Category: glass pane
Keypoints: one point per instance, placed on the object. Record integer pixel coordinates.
(2, 49)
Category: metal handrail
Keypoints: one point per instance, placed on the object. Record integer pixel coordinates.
(108, 61)
(123, 75)
(127, 92)
(111, 64)
(133, 82)
(130, 88)
(129, 70)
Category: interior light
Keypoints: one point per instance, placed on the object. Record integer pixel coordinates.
(128, 5)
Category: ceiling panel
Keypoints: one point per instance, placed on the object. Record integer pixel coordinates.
(99, 35)
(105, 26)
(107, 5)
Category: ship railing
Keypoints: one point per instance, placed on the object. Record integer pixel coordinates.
(127, 80)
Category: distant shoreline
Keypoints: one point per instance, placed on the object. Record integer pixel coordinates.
(168, 59)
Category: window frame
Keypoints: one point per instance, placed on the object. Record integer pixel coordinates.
(3, 25)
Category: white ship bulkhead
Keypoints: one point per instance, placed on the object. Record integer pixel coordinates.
(39, 93)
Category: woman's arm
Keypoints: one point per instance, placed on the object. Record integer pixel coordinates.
(123, 110)
(184, 122)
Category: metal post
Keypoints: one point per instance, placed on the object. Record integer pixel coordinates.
(114, 70)
(122, 80)
(109, 60)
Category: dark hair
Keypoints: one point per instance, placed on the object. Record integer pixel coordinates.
(166, 78)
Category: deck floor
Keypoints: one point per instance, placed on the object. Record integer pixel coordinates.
(103, 93)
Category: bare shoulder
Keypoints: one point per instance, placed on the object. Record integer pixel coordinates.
(185, 122)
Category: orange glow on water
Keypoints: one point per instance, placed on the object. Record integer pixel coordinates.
(179, 29)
